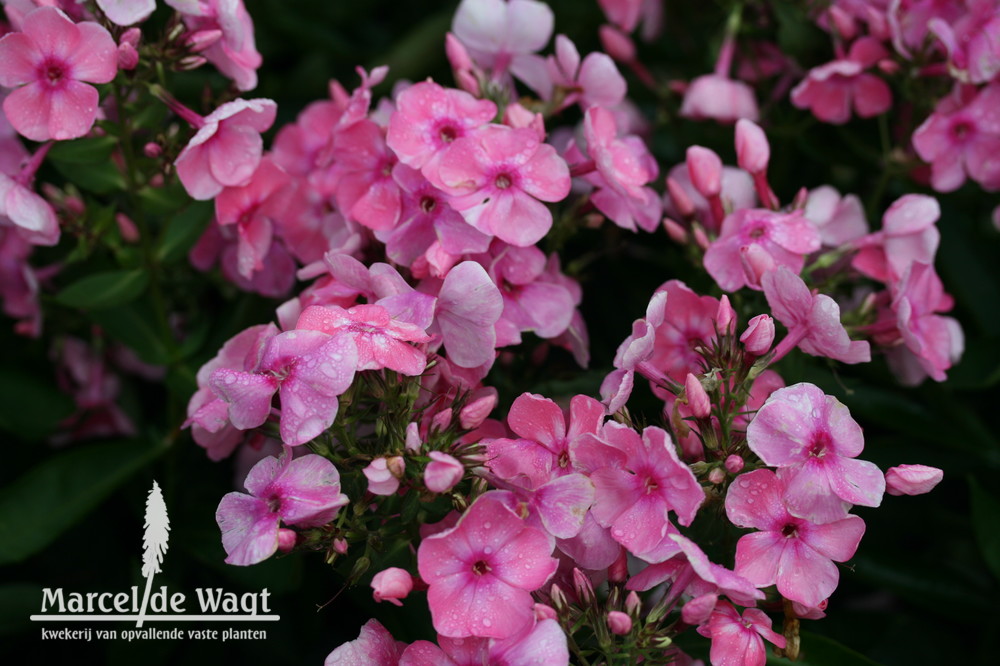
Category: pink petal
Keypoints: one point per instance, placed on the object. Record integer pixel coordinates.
(804, 575)
(837, 540)
(755, 500)
(374, 646)
(857, 481)
(248, 394)
(53, 32)
(758, 556)
(234, 154)
(73, 110)
(808, 494)
(127, 12)
(563, 503)
(95, 58)
(309, 490)
(465, 605)
(28, 110)
(19, 59)
(249, 529)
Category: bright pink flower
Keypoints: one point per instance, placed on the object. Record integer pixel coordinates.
(374, 646)
(759, 335)
(688, 323)
(908, 235)
(830, 90)
(500, 34)
(912, 479)
(380, 339)
(304, 492)
(236, 53)
(839, 219)
(641, 481)
(482, 571)
(443, 472)
(543, 644)
(739, 639)
(813, 440)
(969, 33)
(594, 82)
(634, 354)
(719, 98)
(230, 246)
(27, 213)
(813, 320)
(307, 368)
(791, 552)
(47, 63)
(391, 585)
(935, 341)
(363, 164)
(428, 118)
(468, 306)
(126, 12)
(786, 238)
(227, 147)
(496, 177)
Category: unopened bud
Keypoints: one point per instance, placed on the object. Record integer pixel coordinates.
(475, 412)
(198, 41)
(912, 479)
(700, 237)
(131, 36)
(458, 56)
(584, 588)
(619, 623)
(128, 57)
(756, 261)
(734, 464)
(558, 598)
(127, 228)
(633, 604)
(675, 231)
(618, 571)
(441, 420)
(752, 149)
(680, 197)
(544, 612)
(412, 437)
(188, 63)
(396, 466)
(716, 475)
(759, 335)
(696, 397)
(725, 316)
(617, 44)
(705, 170)
(391, 585)
(443, 472)
(340, 546)
(152, 150)
(286, 539)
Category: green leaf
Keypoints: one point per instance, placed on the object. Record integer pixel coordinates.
(92, 150)
(41, 504)
(183, 231)
(816, 650)
(100, 177)
(133, 326)
(986, 521)
(30, 407)
(104, 290)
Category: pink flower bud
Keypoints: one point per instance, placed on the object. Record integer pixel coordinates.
(734, 464)
(152, 150)
(380, 479)
(128, 57)
(131, 37)
(618, 571)
(443, 472)
(759, 335)
(677, 233)
(467, 81)
(584, 588)
(680, 198)
(799, 202)
(843, 22)
(544, 612)
(475, 412)
(198, 41)
(912, 479)
(392, 585)
(633, 604)
(340, 546)
(756, 262)
(705, 170)
(188, 63)
(700, 237)
(412, 437)
(617, 44)
(725, 316)
(619, 623)
(127, 228)
(697, 398)
(441, 420)
(286, 539)
(889, 67)
(752, 149)
(716, 475)
(457, 55)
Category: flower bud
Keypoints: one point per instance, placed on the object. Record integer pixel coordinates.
(618, 571)
(441, 420)
(191, 62)
(380, 480)
(705, 170)
(619, 623)
(752, 149)
(700, 237)
(458, 56)
(340, 546)
(558, 597)
(697, 398)
(475, 411)
(584, 588)
(543, 612)
(680, 197)
(443, 472)
(633, 604)
(675, 231)
(756, 261)
(912, 479)
(734, 464)
(286, 539)
(128, 57)
(716, 475)
(131, 37)
(759, 335)
(392, 585)
(152, 150)
(725, 316)
(617, 44)
(412, 436)
(126, 227)
(198, 41)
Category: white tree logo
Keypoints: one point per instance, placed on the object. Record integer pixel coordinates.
(154, 542)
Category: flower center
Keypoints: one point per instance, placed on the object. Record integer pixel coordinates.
(427, 204)
(502, 181)
(961, 129)
(447, 134)
(757, 232)
(651, 485)
(53, 72)
(789, 531)
(820, 443)
(480, 568)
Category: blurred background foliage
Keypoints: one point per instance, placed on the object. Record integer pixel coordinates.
(923, 586)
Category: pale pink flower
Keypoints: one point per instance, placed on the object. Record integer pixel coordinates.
(814, 442)
(304, 492)
(374, 646)
(381, 480)
(226, 150)
(126, 12)
(594, 82)
(482, 571)
(912, 479)
(497, 178)
(542, 644)
(443, 472)
(468, 306)
(909, 234)
(840, 219)
(831, 90)
(813, 320)
(500, 34)
(739, 639)
(47, 64)
(688, 323)
(391, 585)
(235, 54)
(719, 98)
(791, 552)
(364, 187)
(27, 213)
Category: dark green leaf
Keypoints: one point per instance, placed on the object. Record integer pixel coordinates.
(183, 231)
(816, 650)
(133, 325)
(83, 151)
(41, 504)
(986, 521)
(98, 177)
(104, 290)
(30, 406)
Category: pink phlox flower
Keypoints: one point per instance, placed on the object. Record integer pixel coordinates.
(737, 193)
(497, 178)
(936, 342)
(382, 285)
(47, 64)
(28, 214)
(482, 571)
(792, 552)
(634, 354)
(813, 441)
(227, 148)
(309, 369)
(540, 420)
(374, 646)
(126, 12)
(427, 221)
(562, 77)
(912, 479)
(500, 34)
(19, 284)
(739, 639)
(542, 644)
(688, 323)
(555, 504)
(366, 191)
(972, 41)
(962, 137)
(468, 307)
(391, 585)
(909, 21)
(235, 54)
(909, 234)
(719, 98)
(13, 154)
(381, 480)
(639, 484)
(831, 90)
(813, 320)
(429, 118)
(303, 492)
(785, 237)
(85, 374)
(252, 209)
(380, 339)
(839, 219)
(299, 146)
(223, 244)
